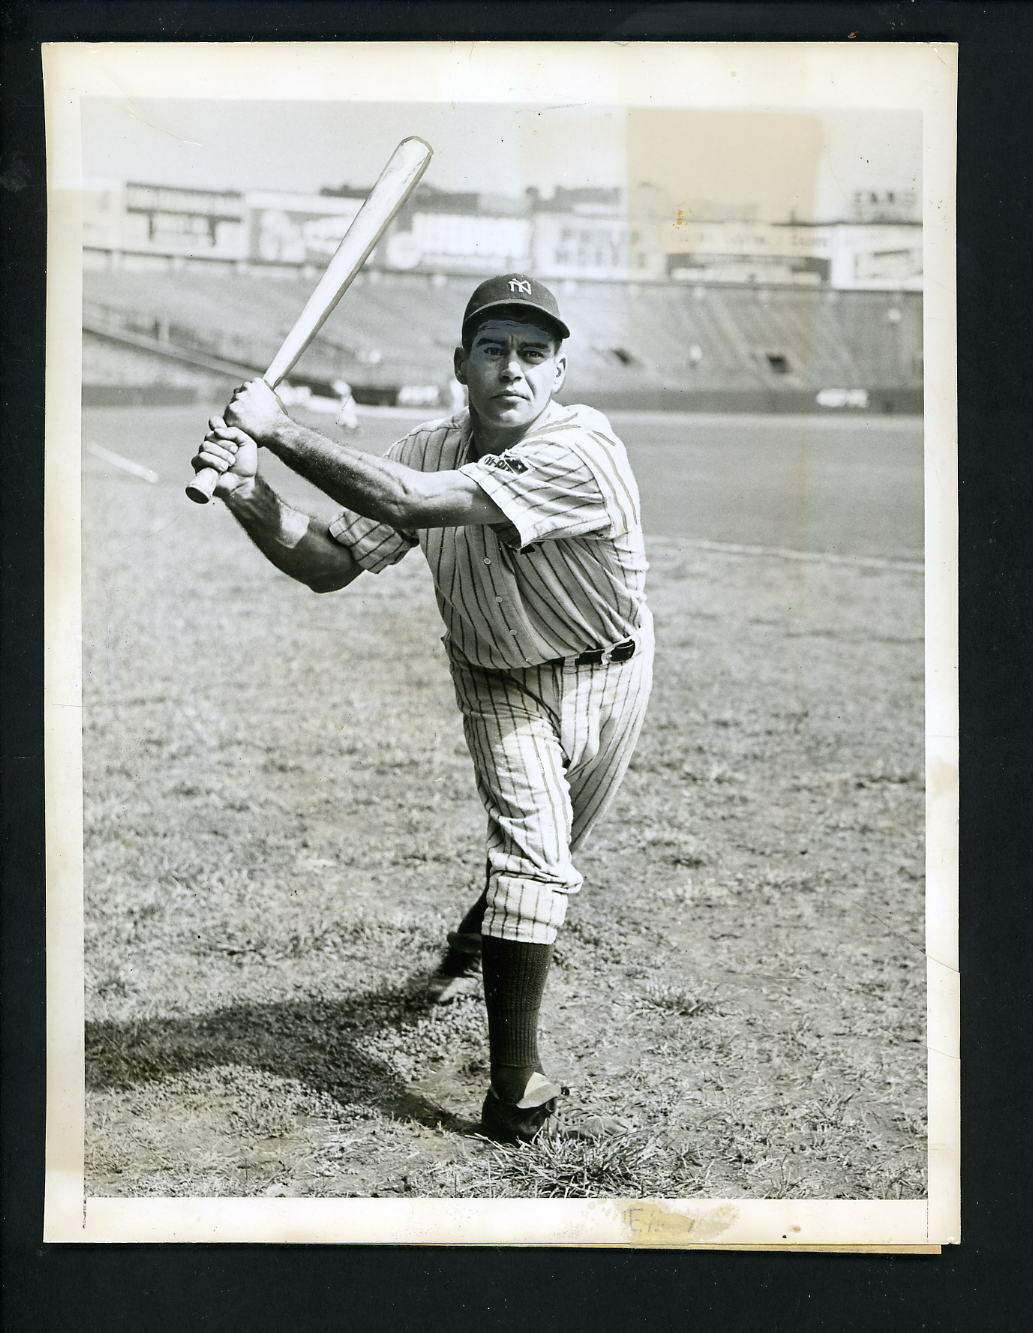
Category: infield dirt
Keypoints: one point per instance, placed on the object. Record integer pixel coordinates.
(281, 824)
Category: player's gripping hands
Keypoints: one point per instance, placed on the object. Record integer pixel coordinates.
(231, 445)
(232, 453)
(256, 409)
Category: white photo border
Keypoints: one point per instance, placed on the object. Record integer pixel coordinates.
(767, 75)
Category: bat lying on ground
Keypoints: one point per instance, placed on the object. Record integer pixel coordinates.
(396, 182)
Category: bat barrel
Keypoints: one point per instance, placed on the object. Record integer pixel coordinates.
(394, 185)
(396, 182)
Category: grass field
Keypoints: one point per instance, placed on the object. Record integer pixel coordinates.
(281, 824)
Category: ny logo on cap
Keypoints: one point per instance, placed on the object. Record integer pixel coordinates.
(519, 285)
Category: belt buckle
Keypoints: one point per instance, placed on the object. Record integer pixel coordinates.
(605, 657)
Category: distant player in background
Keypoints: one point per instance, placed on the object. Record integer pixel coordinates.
(348, 411)
(454, 395)
(528, 515)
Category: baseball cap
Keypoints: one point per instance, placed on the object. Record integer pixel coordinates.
(514, 289)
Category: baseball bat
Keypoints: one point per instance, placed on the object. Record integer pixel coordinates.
(394, 185)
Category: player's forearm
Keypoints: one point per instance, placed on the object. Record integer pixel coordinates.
(376, 487)
(291, 540)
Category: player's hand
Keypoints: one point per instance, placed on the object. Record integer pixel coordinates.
(256, 410)
(231, 452)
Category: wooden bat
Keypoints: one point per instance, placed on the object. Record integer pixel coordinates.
(396, 182)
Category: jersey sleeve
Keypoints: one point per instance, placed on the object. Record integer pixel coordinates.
(374, 545)
(550, 488)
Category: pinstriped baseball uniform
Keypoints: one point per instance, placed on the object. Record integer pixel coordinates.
(550, 739)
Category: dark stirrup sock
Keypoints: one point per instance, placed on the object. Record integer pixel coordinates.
(514, 980)
(471, 923)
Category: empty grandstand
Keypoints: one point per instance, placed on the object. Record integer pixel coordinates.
(180, 325)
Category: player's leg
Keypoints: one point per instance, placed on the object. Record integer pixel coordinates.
(458, 971)
(604, 709)
(521, 778)
(511, 732)
(539, 739)
(601, 711)
(523, 787)
(590, 719)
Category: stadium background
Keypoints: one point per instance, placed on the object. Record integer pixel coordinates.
(279, 818)
(187, 290)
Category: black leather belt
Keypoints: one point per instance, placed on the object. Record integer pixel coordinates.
(620, 652)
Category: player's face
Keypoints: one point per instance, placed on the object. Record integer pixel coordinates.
(512, 370)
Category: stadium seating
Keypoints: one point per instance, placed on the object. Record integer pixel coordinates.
(633, 338)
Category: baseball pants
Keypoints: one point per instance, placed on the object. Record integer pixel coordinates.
(550, 745)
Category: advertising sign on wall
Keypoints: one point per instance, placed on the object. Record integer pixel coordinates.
(165, 219)
(845, 255)
(802, 272)
(567, 245)
(294, 229)
(461, 243)
(877, 257)
(297, 229)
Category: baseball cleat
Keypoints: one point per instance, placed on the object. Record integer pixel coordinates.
(459, 972)
(520, 1122)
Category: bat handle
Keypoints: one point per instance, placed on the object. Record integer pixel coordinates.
(201, 488)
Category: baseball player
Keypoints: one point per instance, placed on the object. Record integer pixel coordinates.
(528, 515)
(347, 409)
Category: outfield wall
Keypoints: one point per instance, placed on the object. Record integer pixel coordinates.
(767, 402)
(884, 402)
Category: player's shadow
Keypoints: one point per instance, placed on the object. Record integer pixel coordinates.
(320, 1043)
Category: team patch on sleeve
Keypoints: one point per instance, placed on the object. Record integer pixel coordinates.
(504, 463)
(546, 491)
